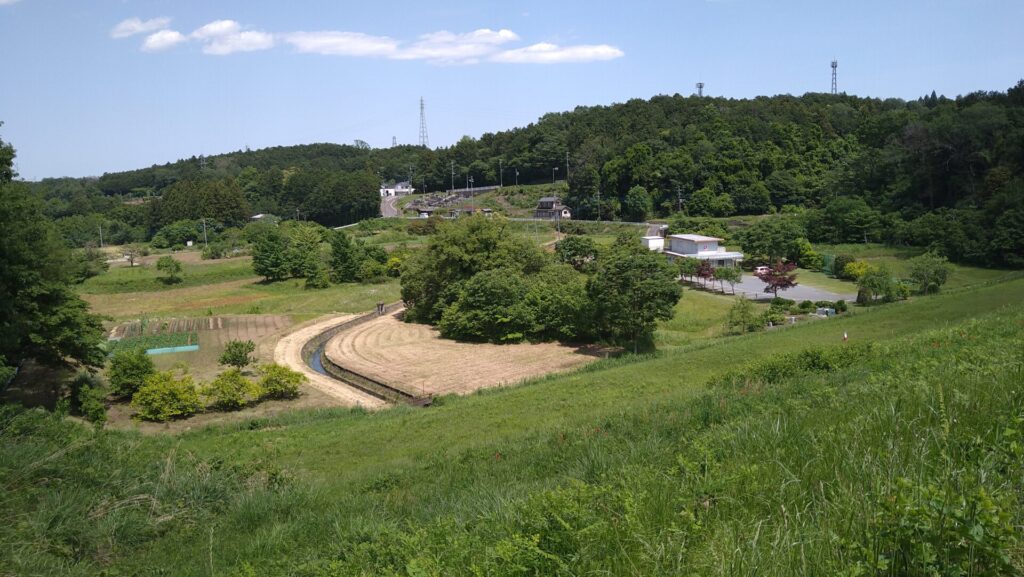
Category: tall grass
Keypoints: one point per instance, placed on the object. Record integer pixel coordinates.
(897, 453)
(899, 458)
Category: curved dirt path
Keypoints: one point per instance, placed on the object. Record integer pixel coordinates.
(288, 352)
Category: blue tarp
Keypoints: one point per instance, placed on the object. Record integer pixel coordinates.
(181, 349)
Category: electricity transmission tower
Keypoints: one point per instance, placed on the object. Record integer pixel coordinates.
(424, 141)
(835, 64)
(700, 90)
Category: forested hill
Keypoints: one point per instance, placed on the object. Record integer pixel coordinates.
(930, 171)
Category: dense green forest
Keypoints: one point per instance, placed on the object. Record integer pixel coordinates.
(939, 172)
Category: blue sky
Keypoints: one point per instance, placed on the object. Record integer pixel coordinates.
(96, 86)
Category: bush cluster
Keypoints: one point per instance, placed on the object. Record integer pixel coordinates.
(164, 397)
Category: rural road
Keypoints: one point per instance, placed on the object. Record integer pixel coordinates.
(288, 352)
(389, 206)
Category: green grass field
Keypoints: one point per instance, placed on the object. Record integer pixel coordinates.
(248, 296)
(148, 279)
(828, 462)
(631, 466)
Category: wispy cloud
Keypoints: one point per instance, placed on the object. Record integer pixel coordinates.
(545, 53)
(249, 41)
(133, 26)
(7, 2)
(216, 28)
(162, 40)
(336, 43)
(221, 37)
(447, 48)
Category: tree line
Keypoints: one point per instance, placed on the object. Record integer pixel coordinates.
(946, 173)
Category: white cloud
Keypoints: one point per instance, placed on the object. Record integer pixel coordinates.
(7, 2)
(446, 47)
(545, 53)
(342, 43)
(162, 40)
(217, 28)
(221, 37)
(133, 26)
(249, 41)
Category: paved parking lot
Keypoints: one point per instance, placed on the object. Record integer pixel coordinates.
(753, 288)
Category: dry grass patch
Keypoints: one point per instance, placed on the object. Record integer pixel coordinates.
(416, 359)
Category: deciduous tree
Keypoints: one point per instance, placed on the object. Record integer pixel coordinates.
(779, 277)
(632, 290)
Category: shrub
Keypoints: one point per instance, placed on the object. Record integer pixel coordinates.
(743, 317)
(231, 391)
(319, 279)
(825, 304)
(929, 272)
(171, 269)
(857, 269)
(87, 398)
(92, 405)
(128, 371)
(841, 306)
(877, 284)
(237, 353)
(393, 267)
(839, 265)
(806, 306)
(781, 302)
(164, 397)
(371, 271)
(214, 251)
(280, 382)
(774, 316)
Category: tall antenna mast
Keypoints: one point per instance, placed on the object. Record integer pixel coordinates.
(424, 141)
(394, 141)
(835, 64)
(700, 90)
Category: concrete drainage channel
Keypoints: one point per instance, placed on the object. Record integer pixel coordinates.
(313, 354)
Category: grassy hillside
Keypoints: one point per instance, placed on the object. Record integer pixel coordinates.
(649, 466)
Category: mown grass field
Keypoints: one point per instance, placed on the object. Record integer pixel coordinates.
(632, 466)
(148, 279)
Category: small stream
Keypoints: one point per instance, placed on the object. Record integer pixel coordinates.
(315, 361)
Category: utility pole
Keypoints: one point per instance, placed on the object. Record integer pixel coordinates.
(472, 197)
(567, 167)
(205, 241)
(501, 175)
(101, 235)
(679, 199)
(553, 171)
(598, 204)
(453, 176)
(517, 177)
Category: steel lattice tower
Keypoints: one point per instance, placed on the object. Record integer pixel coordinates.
(424, 141)
(835, 64)
(700, 89)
